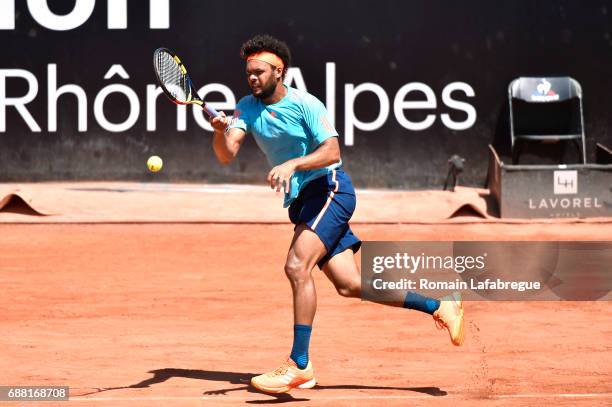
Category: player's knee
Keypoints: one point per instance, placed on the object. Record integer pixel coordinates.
(296, 270)
(350, 289)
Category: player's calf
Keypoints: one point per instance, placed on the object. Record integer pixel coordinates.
(349, 289)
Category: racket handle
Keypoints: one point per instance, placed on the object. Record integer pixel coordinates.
(210, 111)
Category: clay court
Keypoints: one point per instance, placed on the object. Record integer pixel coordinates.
(142, 257)
(173, 308)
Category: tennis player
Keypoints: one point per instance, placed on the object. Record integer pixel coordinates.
(293, 130)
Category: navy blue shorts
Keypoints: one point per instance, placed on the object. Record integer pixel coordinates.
(326, 204)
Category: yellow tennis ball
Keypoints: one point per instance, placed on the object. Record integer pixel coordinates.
(155, 163)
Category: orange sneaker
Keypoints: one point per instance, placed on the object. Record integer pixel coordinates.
(288, 376)
(450, 316)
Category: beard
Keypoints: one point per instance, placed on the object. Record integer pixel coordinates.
(267, 90)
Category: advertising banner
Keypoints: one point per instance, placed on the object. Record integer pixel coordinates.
(407, 83)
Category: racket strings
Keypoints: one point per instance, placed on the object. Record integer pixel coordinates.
(172, 78)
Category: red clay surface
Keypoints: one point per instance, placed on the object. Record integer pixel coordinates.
(167, 314)
(131, 202)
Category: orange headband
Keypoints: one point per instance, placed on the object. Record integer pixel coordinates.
(266, 56)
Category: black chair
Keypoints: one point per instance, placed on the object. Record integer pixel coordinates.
(546, 110)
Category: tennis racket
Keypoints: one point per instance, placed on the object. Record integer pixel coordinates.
(175, 82)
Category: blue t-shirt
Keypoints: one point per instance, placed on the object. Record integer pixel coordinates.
(291, 128)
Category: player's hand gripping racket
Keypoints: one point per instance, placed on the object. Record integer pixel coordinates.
(175, 82)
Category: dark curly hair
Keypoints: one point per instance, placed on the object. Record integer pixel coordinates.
(265, 42)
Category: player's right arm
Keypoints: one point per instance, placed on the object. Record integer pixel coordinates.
(226, 142)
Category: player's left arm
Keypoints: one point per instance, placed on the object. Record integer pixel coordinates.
(327, 153)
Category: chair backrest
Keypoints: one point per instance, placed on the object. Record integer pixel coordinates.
(546, 108)
(545, 90)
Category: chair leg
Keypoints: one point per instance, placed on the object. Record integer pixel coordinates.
(580, 152)
(516, 152)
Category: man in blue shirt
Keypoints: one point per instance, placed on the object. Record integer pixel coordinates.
(293, 130)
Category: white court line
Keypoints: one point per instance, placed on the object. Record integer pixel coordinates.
(356, 397)
(560, 395)
(234, 398)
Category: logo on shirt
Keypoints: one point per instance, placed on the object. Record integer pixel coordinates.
(273, 113)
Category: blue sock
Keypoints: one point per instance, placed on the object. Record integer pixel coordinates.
(421, 303)
(301, 340)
